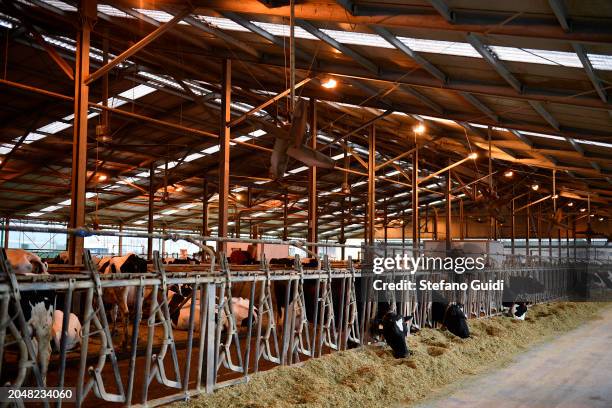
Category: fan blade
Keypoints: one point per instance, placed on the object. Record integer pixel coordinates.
(311, 157)
(279, 159)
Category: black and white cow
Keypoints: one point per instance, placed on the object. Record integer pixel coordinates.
(123, 298)
(516, 290)
(449, 315)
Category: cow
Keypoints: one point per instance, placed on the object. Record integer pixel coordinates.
(123, 298)
(25, 263)
(449, 315)
(515, 292)
(394, 329)
(240, 310)
(73, 331)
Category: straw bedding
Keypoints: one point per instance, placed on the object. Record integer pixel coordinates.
(371, 377)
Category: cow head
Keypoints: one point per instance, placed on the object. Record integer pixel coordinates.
(26, 263)
(520, 310)
(456, 321)
(395, 328)
(134, 264)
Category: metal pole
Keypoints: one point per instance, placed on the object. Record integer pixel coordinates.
(415, 201)
(371, 185)
(285, 217)
(151, 209)
(7, 222)
(528, 236)
(87, 13)
(205, 207)
(224, 152)
(448, 211)
(120, 249)
(512, 229)
(292, 54)
(461, 220)
(312, 179)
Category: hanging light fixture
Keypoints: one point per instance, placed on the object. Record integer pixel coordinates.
(329, 83)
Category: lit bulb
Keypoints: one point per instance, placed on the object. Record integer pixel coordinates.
(570, 204)
(329, 83)
(473, 156)
(601, 218)
(592, 215)
(555, 196)
(509, 173)
(102, 177)
(582, 209)
(419, 129)
(535, 187)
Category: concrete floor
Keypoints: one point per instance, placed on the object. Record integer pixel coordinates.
(572, 371)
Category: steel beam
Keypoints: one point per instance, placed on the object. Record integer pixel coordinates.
(480, 106)
(78, 180)
(424, 99)
(371, 185)
(312, 180)
(205, 205)
(7, 230)
(539, 107)
(494, 61)
(224, 151)
(590, 71)
(422, 62)
(369, 65)
(222, 35)
(138, 46)
(558, 8)
(443, 9)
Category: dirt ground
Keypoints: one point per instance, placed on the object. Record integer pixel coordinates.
(371, 377)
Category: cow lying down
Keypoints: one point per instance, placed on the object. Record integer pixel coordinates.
(180, 317)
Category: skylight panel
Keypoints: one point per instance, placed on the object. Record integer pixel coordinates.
(169, 212)
(140, 222)
(66, 202)
(187, 206)
(137, 92)
(158, 15)
(601, 62)
(222, 23)
(258, 133)
(211, 150)
(6, 148)
(542, 135)
(440, 47)
(5, 23)
(51, 208)
(31, 137)
(589, 142)
(528, 55)
(112, 11)
(60, 5)
(356, 38)
(298, 170)
(242, 138)
(282, 30)
(338, 156)
(54, 127)
(35, 214)
(193, 156)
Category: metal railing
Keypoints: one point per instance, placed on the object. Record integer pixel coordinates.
(158, 363)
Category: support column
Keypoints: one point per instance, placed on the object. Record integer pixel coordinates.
(448, 211)
(224, 152)
(512, 229)
(205, 207)
(7, 226)
(151, 209)
(385, 219)
(313, 232)
(461, 220)
(78, 181)
(286, 217)
(528, 236)
(120, 247)
(415, 202)
(371, 186)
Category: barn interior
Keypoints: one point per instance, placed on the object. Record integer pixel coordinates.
(424, 124)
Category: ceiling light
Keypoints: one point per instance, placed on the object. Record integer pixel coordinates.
(535, 187)
(102, 177)
(592, 215)
(509, 173)
(178, 189)
(582, 209)
(601, 218)
(419, 129)
(570, 204)
(555, 196)
(473, 156)
(329, 83)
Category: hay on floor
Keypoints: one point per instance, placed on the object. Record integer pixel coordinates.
(372, 377)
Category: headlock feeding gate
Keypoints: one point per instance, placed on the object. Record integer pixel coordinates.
(216, 346)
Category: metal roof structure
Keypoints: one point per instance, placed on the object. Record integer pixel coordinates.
(528, 81)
